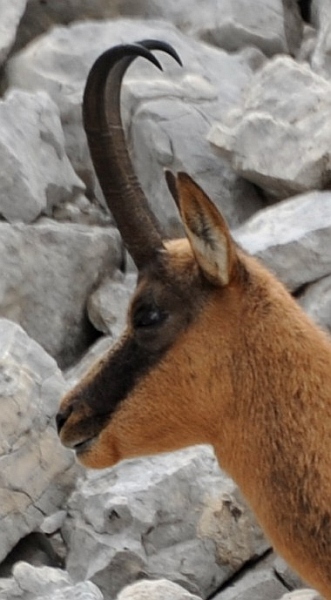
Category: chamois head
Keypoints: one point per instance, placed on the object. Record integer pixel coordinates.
(215, 351)
(146, 394)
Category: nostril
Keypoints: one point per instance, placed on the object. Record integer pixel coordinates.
(62, 417)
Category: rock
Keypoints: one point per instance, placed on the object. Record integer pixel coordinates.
(45, 583)
(11, 13)
(48, 272)
(54, 522)
(320, 61)
(107, 306)
(279, 138)
(290, 579)
(35, 549)
(80, 210)
(308, 45)
(36, 472)
(255, 585)
(167, 117)
(292, 238)
(316, 301)
(42, 16)
(156, 590)
(272, 26)
(304, 594)
(30, 135)
(170, 516)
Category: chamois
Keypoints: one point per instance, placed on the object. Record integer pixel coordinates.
(215, 351)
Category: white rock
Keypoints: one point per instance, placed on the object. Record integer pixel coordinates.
(271, 25)
(48, 272)
(168, 115)
(36, 174)
(304, 594)
(293, 238)
(316, 301)
(53, 522)
(45, 583)
(35, 470)
(156, 590)
(320, 60)
(280, 137)
(107, 306)
(11, 13)
(253, 585)
(170, 516)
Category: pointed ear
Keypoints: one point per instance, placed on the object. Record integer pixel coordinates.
(207, 231)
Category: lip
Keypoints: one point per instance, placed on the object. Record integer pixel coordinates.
(84, 446)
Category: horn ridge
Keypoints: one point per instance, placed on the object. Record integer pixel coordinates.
(136, 222)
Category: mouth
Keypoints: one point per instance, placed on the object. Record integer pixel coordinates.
(82, 447)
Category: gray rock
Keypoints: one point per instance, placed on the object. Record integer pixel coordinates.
(167, 117)
(156, 590)
(292, 238)
(36, 472)
(107, 306)
(316, 301)
(304, 594)
(287, 575)
(35, 549)
(53, 522)
(11, 13)
(45, 583)
(255, 585)
(36, 174)
(273, 26)
(320, 60)
(48, 272)
(279, 138)
(170, 516)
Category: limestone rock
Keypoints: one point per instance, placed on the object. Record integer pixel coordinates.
(156, 590)
(304, 594)
(45, 583)
(293, 238)
(254, 585)
(48, 272)
(320, 60)
(170, 516)
(11, 13)
(273, 26)
(107, 306)
(36, 174)
(36, 472)
(287, 575)
(316, 301)
(167, 116)
(279, 137)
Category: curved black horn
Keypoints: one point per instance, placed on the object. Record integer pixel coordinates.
(137, 224)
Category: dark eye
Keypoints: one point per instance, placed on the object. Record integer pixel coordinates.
(149, 316)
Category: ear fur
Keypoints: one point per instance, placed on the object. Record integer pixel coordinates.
(206, 229)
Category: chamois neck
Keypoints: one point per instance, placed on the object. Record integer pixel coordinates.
(281, 373)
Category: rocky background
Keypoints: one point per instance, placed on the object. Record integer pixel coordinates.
(248, 116)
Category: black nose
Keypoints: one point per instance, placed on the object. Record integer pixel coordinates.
(62, 417)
